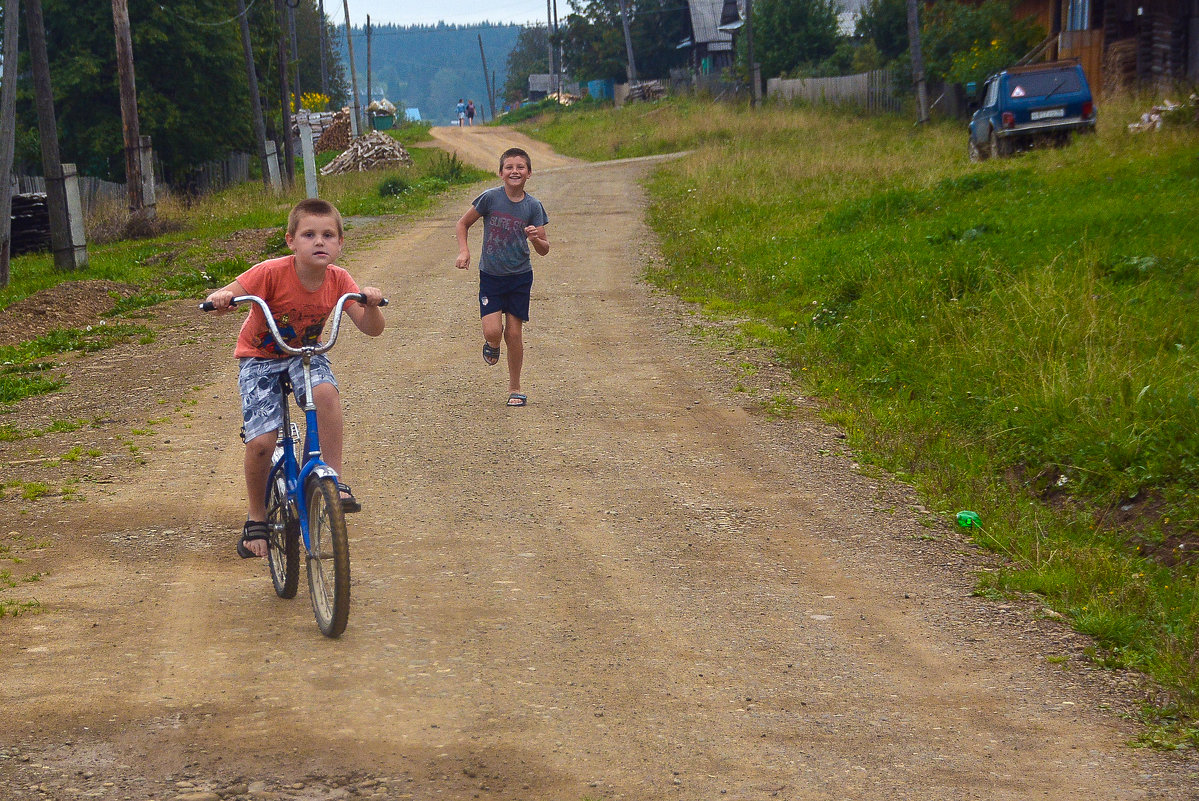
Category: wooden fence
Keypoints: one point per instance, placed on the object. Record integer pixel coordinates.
(215, 175)
(873, 91)
(92, 191)
(207, 177)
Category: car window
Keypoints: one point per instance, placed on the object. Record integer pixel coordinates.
(992, 93)
(1039, 84)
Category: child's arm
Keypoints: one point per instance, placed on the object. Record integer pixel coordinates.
(220, 299)
(367, 316)
(471, 217)
(538, 239)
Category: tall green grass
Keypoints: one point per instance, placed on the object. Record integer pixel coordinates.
(1019, 337)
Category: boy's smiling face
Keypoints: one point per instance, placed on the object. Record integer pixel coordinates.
(514, 172)
(317, 240)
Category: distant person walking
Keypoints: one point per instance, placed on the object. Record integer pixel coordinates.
(461, 113)
(470, 112)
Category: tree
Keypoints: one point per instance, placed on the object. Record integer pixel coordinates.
(885, 24)
(964, 43)
(191, 81)
(593, 39)
(527, 58)
(308, 45)
(791, 35)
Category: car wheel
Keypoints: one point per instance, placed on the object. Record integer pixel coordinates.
(977, 152)
(1000, 147)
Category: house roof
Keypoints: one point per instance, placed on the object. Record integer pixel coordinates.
(705, 22)
(732, 14)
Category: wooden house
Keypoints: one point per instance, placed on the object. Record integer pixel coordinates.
(711, 46)
(1122, 43)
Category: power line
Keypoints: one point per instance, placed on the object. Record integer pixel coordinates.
(234, 18)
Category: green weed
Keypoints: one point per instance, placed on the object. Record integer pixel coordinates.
(32, 490)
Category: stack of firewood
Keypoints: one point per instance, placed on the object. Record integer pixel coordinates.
(30, 223)
(375, 151)
(336, 135)
(646, 90)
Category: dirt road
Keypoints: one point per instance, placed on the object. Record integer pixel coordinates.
(638, 587)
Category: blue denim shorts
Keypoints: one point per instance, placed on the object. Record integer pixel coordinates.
(261, 400)
(505, 293)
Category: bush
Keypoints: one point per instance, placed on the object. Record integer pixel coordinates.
(393, 187)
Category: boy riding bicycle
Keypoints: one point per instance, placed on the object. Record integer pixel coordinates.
(301, 290)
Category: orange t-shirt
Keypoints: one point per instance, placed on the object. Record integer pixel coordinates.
(299, 314)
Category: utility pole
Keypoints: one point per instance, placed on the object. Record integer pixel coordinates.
(486, 82)
(130, 123)
(368, 62)
(255, 99)
(549, 40)
(295, 53)
(8, 118)
(289, 150)
(353, 70)
(755, 79)
(62, 242)
(917, 60)
(628, 41)
(321, 45)
(557, 55)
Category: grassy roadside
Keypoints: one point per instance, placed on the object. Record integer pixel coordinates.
(192, 256)
(1019, 338)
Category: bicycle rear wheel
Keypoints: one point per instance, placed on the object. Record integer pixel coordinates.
(328, 557)
(283, 553)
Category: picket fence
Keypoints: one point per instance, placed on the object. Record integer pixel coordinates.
(874, 91)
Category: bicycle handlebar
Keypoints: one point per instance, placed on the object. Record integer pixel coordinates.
(334, 327)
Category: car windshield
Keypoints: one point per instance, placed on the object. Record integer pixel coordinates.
(1039, 84)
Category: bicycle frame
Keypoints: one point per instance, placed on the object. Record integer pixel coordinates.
(296, 475)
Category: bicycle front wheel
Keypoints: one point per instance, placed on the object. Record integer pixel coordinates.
(328, 557)
(283, 552)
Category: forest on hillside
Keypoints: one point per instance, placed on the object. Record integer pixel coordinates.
(430, 66)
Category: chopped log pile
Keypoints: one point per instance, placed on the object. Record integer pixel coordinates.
(318, 121)
(375, 151)
(30, 223)
(646, 90)
(336, 134)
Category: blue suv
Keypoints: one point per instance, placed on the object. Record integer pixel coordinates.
(1030, 105)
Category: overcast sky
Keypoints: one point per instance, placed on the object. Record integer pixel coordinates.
(430, 12)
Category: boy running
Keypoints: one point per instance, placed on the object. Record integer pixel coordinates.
(512, 219)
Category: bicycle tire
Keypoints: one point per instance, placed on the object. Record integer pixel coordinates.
(328, 557)
(283, 551)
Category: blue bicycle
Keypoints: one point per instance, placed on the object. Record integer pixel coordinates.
(303, 502)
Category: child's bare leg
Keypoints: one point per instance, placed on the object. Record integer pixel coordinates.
(257, 467)
(331, 421)
(493, 328)
(514, 338)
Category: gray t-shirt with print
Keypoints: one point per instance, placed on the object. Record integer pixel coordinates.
(505, 246)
